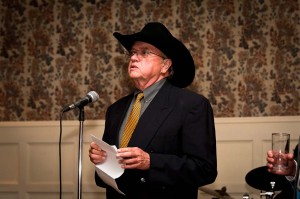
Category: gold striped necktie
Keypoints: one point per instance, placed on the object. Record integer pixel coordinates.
(132, 120)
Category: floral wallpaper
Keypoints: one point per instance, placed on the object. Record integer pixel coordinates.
(54, 52)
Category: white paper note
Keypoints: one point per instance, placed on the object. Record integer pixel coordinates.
(110, 169)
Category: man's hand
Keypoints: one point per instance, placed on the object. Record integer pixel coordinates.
(291, 169)
(96, 154)
(133, 158)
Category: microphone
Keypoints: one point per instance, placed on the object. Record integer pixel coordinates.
(91, 97)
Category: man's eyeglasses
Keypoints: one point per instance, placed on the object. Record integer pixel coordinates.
(145, 53)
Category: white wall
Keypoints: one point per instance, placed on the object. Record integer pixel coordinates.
(29, 156)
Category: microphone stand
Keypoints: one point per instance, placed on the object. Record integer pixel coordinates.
(81, 120)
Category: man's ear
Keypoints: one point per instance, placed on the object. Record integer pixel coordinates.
(167, 63)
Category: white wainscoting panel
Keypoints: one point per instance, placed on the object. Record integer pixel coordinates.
(29, 166)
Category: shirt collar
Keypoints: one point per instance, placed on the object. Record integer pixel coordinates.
(151, 91)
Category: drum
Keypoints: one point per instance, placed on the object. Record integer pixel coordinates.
(263, 180)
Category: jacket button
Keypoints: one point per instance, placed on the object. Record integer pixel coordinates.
(143, 180)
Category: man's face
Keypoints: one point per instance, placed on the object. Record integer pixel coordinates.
(147, 64)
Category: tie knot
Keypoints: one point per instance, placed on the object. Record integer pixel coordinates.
(139, 96)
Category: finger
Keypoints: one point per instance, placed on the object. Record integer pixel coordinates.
(95, 149)
(97, 152)
(126, 153)
(97, 159)
(124, 150)
(270, 166)
(135, 164)
(270, 160)
(129, 161)
(129, 166)
(93, 145)
(270, 153)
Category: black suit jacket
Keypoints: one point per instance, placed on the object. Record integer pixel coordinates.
(177, 130)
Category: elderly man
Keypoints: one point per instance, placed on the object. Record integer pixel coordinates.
(171, 149)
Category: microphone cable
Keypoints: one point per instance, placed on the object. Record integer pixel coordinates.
(59, 154)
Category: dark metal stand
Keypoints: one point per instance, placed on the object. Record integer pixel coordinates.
(81, 120)
(268, 194)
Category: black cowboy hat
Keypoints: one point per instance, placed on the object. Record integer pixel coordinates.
(159, 36)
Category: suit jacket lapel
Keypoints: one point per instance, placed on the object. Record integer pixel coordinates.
(152, 118)
(118, 116)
